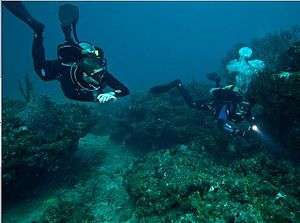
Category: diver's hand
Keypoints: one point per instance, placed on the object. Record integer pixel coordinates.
(106, 97)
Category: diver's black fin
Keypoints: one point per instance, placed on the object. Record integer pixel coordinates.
(68, 16)
(19, 10)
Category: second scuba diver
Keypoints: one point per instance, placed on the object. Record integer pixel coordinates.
(226, 103)
(80, 67)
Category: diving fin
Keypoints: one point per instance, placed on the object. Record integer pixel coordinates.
(68, 16)
(19, 10)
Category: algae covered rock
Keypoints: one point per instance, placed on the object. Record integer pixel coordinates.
(38, 140)
(70, 207)
(279, 95)
(182, 184)
(161, 122)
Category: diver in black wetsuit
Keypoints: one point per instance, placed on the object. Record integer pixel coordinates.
(226, 104)
(80, 67)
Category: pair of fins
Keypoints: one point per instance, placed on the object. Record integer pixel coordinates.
(68, 15)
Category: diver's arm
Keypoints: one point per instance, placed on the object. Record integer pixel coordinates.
(120, 89)
(186, 95)
(47, 70)
(84, 96)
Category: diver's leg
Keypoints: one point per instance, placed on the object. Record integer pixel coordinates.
(67, 33)
(19, 10)
(214, 77)
(186, 95)
(47, 70)
(38, 55)
(159, 89)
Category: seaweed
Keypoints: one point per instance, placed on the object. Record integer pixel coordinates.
(26, 88)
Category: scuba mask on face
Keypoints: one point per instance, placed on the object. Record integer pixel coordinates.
(91, 50)
(70, 53)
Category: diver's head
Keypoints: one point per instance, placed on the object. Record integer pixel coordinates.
(245, 52)
(89, 49)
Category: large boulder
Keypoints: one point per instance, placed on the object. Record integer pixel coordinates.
(38, 140)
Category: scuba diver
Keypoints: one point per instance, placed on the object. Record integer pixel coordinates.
(226, 103)
(80, 67)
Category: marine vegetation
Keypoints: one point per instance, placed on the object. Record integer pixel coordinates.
(279, 96)
(154, 159)
(183, 185)
(38, 139)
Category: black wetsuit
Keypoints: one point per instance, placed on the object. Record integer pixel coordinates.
(68, 73)
(66, 69)
(223, 104)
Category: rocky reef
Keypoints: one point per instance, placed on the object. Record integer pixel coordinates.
(101, 197)
(183, 185)
(153, 123)
(161, 161)
(39, 138)
(279, 96)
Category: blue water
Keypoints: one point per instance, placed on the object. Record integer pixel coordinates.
(145, 42)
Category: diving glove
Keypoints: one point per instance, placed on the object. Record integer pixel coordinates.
(106, 97)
